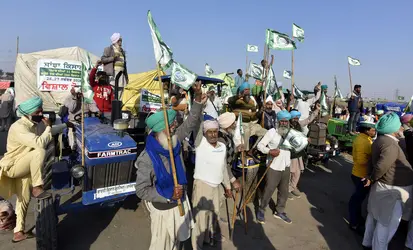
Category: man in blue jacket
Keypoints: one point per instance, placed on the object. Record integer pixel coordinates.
(355, 106)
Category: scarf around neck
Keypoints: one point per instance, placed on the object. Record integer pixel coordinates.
(164, 180)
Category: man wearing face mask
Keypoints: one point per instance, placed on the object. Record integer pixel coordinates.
(103, 91)
(20, 168)
(154, 181)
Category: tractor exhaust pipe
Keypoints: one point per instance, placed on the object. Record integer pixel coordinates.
(116, 104)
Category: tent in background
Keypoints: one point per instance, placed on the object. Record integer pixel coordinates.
(25, 75)
(132, 93)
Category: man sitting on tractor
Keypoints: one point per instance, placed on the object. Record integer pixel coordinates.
(245, 104)
(155, 183)
(20, 169)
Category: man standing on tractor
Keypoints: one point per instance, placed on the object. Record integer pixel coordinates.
(355, 106)
(154, 181)
(21, 166)
(361, 156)
(244, 103)
(114, 62)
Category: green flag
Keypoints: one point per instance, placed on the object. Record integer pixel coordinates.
(163, 54)
(337, 92)
(182, 76)
(279, 41)
(297, 92)
(252, 48)
(256, 71)
(208, 70)
(409, 105)
(85, 86)
(271, 83)
(353, 61)
(287, 74)
(324, 105)
(298, 32)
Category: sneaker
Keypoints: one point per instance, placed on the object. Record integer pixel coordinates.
(260, 217)
(290, 196)
(296, 193)
(283, 216)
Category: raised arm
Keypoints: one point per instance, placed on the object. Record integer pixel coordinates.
(311, 118)
(194, 119)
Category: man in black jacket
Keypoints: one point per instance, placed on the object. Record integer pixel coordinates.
(355, 106)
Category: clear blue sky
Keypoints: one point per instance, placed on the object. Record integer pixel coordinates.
(378, 33)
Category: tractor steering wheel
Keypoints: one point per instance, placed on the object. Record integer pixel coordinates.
(78, 117)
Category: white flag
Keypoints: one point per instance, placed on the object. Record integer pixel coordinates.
(353, 61)
(252, 48)
(337, 92)
(297, 92)
(163, 54)
(208, 70)
(256, 71)
(239, 132)
(324, 105)
(85, 87)
(182, 76)
(298, 32)
(279, 41)
(287, 74)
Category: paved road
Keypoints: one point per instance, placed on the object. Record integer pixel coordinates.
(317, 221)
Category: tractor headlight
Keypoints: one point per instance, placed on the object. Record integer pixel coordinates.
(328, 148)
(77, 171)
(336, 146)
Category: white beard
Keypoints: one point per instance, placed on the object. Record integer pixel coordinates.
(283, 131)
(163, 140)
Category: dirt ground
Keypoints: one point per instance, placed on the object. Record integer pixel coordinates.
(317, 221)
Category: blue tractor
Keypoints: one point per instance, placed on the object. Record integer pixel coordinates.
(108, 175)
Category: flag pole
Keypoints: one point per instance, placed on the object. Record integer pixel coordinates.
(171, 155)
(246, 63)
(349, 74)
(266, 57)
(83, 127)
(292, 72)
(335, 96)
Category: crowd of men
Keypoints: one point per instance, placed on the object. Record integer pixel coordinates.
(381, 163)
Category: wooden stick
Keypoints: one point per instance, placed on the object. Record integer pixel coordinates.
(246, 64)
(349, 74)
(292, 72)
(83, 128)
(258, 184)
(243, 190)
(234, 211)
(171, 155)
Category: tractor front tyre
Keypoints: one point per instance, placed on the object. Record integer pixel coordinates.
(46, 223)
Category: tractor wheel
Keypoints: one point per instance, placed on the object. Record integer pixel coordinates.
(46, 223)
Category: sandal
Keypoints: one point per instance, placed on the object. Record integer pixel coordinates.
(26, 236)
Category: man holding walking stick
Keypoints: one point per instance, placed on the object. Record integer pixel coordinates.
(278, 175)
(154, 182)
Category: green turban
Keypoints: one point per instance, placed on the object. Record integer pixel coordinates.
(323, 87)
(388, 124)
(156, 122)
(30, 106)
